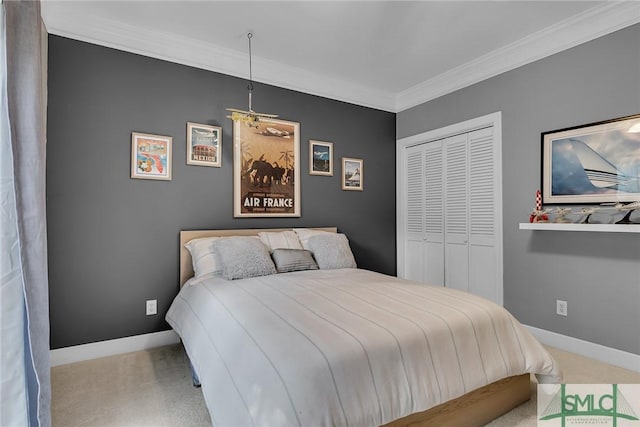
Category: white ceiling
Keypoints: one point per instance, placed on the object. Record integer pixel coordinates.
(389, 55)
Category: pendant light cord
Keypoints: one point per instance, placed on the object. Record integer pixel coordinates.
(250, 87)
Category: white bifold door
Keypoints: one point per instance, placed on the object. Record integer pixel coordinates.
(452, 214)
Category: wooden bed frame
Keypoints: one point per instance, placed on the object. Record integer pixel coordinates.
(475, 408)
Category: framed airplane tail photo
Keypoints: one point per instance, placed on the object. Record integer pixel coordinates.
(594, 163)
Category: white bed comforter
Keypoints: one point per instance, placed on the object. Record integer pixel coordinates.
(345, 347)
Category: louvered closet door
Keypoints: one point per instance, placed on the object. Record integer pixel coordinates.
(453, 225)
(415, 202)
(424, 251)
(434, 214)
(483, 246)
(456, 210)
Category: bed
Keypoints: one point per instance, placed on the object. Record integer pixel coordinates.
(348, 347)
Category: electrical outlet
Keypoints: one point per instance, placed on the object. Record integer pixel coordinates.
(561, 307)
(152, 307)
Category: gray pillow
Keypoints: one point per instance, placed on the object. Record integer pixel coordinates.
(288, 260)
(243, 257)
(331, 250)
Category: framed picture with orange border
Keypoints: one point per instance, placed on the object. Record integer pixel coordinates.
(151, 156)
(352, 174)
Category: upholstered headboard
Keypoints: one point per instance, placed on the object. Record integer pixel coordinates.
(186, 267)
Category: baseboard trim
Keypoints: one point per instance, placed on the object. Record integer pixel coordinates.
(94, 350)
(599, 352)
(78, 353)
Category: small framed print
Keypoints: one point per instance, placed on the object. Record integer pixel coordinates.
(320, 158)
(150, 156)
(352, 174)
(204, 145)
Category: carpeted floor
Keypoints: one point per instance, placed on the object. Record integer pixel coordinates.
(145, 388)
(153, 388)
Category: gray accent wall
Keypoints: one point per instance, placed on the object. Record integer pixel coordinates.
(598, 274)
(113, 240)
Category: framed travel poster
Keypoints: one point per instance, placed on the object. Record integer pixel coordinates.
(150, 156)
(594, 163)
(204, 145)
(266, 168)
(352, 174)
(320, 158)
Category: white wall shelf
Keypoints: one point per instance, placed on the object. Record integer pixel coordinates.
(608, 228)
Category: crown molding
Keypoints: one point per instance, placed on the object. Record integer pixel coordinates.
(589, 25)
(195, 53)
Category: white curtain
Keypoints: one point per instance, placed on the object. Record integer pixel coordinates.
(24, 303)
(13, 401)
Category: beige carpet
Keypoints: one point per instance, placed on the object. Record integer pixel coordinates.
(153, 388)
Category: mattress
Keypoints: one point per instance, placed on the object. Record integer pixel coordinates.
(346, 347)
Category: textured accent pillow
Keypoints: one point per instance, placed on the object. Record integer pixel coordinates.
(305, 233)
(288, 260)
(280, 239)
(243, 257)
(204, 258)
(331, 250)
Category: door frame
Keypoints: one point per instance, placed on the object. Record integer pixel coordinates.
(490, 120)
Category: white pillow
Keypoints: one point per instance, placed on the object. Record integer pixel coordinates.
(305, 233)
(280, 240)
(204, 258)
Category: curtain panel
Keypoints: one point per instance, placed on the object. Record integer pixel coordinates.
(25, 50)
